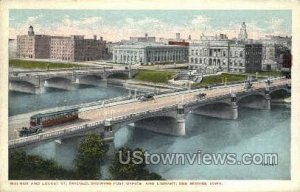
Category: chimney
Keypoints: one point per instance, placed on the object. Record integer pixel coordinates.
(95, 37)
(101, 38)
(190, 37)
(177, 36)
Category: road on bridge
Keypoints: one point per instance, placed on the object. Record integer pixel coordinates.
(135, 106)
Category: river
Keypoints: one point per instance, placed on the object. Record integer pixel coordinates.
(255, 131)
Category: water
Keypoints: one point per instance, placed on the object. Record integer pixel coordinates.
(255, 131)
(23, 103)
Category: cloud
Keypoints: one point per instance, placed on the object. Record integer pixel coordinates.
(77, 23)
(200, 20)
(277, 26)
(128, 26)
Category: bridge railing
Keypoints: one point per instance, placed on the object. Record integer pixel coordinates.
(77, 129)
(53, 134)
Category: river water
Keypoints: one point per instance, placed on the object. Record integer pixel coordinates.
(255, 131)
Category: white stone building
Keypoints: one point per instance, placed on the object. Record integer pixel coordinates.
(209, 57)
(217, 53)
(150, 54)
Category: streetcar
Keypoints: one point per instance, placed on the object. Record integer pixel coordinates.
(53, 118)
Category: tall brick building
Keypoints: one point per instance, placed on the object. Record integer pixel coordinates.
(33, 46)
(73, 48)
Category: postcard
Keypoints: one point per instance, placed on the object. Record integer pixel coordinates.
(149, 95)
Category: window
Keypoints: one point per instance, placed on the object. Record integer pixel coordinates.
(241, 54)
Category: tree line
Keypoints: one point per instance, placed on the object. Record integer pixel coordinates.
(92, 151)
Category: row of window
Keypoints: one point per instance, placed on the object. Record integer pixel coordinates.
(216, 53)
(208, 70)
(215, 61)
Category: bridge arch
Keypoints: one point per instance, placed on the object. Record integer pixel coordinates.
(90, 79)
(219, 109)
(254, 100)
(164, 124)
(22, 86)
(280, 93)
(58, 79)
(22, 82)
(118, 75)
(59, 83)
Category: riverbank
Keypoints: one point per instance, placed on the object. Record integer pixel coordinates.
(30, 64)
(154, 76)
(218, 79)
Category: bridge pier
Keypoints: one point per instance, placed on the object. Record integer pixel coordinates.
(235, 113)
(180, 129)
(108, 136)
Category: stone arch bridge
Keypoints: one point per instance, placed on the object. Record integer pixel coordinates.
(68, 80)
(157, 116)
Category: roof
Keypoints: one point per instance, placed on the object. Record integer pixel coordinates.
(146, 45)
(54, 113)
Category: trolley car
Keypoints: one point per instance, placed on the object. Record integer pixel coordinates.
(53, 118)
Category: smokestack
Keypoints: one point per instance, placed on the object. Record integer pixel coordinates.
(95, 37)
(101, 38)
(177, 36)
(190, 37)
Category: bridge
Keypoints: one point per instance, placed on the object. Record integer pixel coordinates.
(165, 114)
(35, 81)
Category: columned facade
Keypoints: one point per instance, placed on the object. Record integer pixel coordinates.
(150, 54)
(209, 57)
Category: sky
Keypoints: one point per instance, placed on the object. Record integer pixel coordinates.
(115, 25)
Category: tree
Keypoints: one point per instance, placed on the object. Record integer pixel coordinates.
(24, 166)
(126, 166)
(91, 152)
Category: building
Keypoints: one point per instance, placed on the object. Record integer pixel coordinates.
(33, 46)
(217, 53)
(273, 47)
(177, 39)
(181, 43)
(150, 54)
(268, 58)
(243, 35)
(277, 40)
(145, 39)
(212, 56)
(253, 57)
(73, 48)
(76, 48)
(12, 48)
